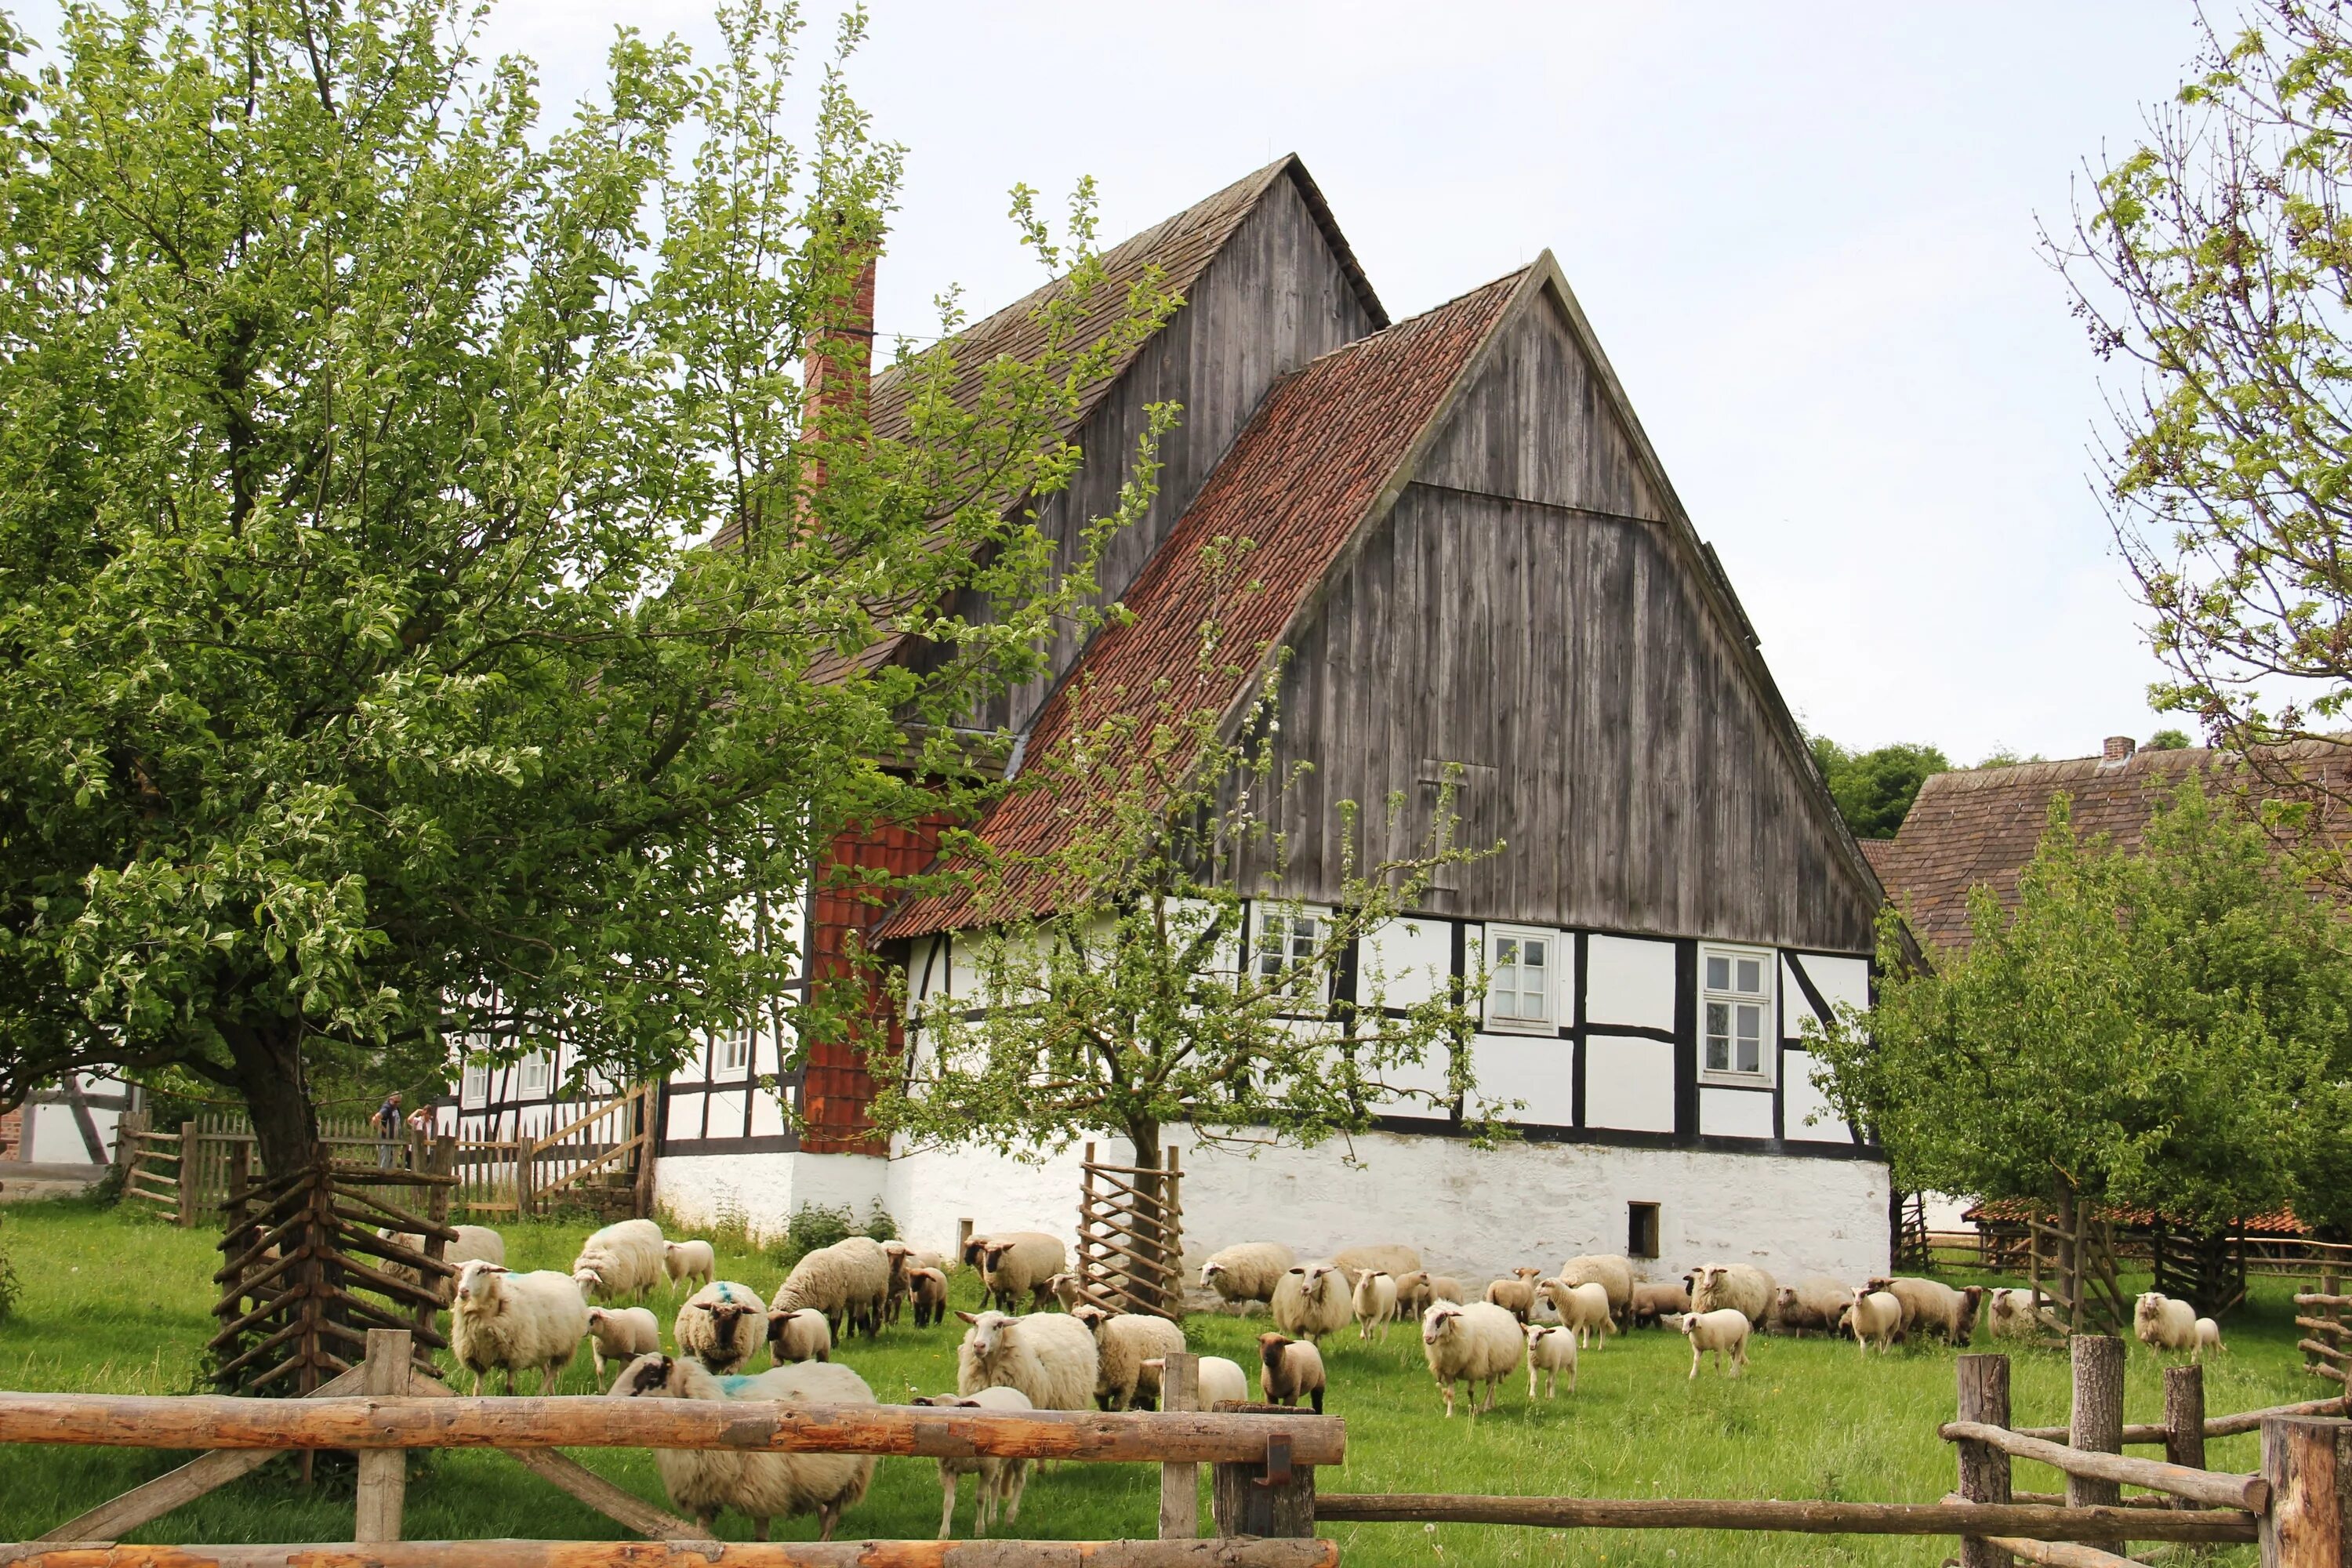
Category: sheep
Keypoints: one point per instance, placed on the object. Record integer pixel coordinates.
(1019, 1263)
(1874, 1315)
(1722, 1332)
(1001, 1481)
(1516, 1295)
(626, 1259)
(2209, 1338)
(2161, 1323)
(1583, 1308)
(846, 1281)
(1376, 1300)
(1652, 1302)
(622, 1333)
(1312, 1300)
(685, 1260)
(1444, 1288)
(1551, 1350)
(1289, 1370)
(1246, 1271)
(905, 1262)
(473, 1241)
(721, 1325)
(1068, 1287)
(1123, 1341)
(1716, 1286)
(758, 1483)
(1471, 1344)
(1932, 1307)
(1391, 1259)
(1611, 1273)
(1049, 1356)
(1219, 1379)
(2016, 1314)
(1815, 1304)
(1413, 1294)
(927, 1288)
(799, 1334)
(516, 1321)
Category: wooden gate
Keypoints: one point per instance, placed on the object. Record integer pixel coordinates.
(1130, 1241)
(2070, 1259)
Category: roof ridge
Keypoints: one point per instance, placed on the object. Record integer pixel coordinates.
(1418, 318)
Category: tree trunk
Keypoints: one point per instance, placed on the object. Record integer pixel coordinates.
(1144, 1136)
(267, 1065)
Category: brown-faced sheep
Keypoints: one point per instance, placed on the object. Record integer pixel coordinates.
(1289, 1370)
(721, 1325)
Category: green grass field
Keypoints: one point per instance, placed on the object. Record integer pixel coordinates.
(115, 1304)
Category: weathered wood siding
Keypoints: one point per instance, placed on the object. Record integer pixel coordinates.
(1274, 298)
(1564, 651)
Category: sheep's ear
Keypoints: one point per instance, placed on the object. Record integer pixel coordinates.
(968, 1317)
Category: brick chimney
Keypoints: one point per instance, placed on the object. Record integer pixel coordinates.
(2117, 750)
(838, 364)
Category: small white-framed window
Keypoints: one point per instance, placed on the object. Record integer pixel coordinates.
(735, 1051)
(474, 1089)
(1521, 964)
(1286, 943)
(538, 1069)
(1736, 1027)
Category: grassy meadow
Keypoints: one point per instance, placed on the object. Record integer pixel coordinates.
(113, 1304)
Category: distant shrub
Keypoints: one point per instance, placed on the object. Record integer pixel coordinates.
(9, 1289)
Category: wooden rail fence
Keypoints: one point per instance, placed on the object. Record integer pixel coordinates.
(1131, 1236)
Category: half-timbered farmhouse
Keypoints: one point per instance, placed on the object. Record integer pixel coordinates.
(1478, 566)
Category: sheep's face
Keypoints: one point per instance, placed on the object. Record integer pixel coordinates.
(478, 1281)
(1208, 1272)
(974, 1250)
(587, 1279)
(1537, 1332)
(2145, 1309)
(647, 1377)
(1315, 1277)
(1529, 1275)
(1439, 1322)
(993, 1258)
(1091, 1316)
(986, 1335)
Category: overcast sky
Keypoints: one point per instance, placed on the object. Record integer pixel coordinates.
(1805, 234)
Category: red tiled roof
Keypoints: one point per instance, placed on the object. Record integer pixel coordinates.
(2017, 1211)
(1880, 853)
(1302, 476)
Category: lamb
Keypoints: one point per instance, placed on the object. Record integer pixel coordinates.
(1069, 1288)
(1722, 1332)
(685, 1260)
(1874, 1315)
(1477, 1343)
(927, 1288)
(1815, 1304)
(847, 1281)
(2209, 1338)
(1391, 1259)
(2015, 1314)
(1312, 1300)
(1289, 1370)
(1413, 1294)
(1516, 1295)
(1583, 1309)
(1611, 1273)
(621, 1335)
(758, 1483)
(1049, 1356)
(1376, 1300)
(1551, 1350)
(1737, 1285)
(516, 1321)
(1022, 1262)
(1246, 1271)
(2161, 1323)
(1001, 1481)
(900, 1258)
(1652, 1302)
(1931, 1307)
(801, 1334)
(1124, 1341)
(1221, 1381)
(721, 1325)
(626, 1259)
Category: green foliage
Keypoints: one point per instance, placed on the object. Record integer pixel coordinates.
(2166, 1029)
(1873, 790)
(9, 1288)
(2169, 741)
(2010, 757)
(364, 684)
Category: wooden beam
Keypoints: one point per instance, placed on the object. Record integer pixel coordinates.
(2059, 1553)
(209, 1421)
(1209, 1554)
(1802, 1517)
(2214, 1489)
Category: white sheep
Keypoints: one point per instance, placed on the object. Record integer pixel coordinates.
(516, 1321)
(847, 1281)
(1021, 1263)
(927, 1288)
(1246, 1271)
(761, 1484)
(1391, 1259)
(1002, 1481)
(1611, 1272)
(1651, 1303)
(1932, 1307)
(1750, 1291)
(1583, 1308)
(1289, 1370)
(721, 1325)
(1413, 1294)
(1375, 1301)
(1815, 1304)
(474, 1241)
(1551, 1350)
(1219, 1379)
(1049, 1356)
(799, 1334)
(2162, 1323)
(2019, 1314)
(1470, 1344)
(626, 1259)
(1312, 1300)
(1127, 1347)
(1443, 1288)
(1516, 1295)
(621, 1335)
(1722, 1332)
(1068, 1287)
(684, 1260)
(2209, 1338)
(1874, 1315)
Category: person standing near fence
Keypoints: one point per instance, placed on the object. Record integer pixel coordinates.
(387, 1130)
(420, 1133)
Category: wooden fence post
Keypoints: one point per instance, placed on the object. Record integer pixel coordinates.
(963, 1239)
(649, 1107)
(384, 1472)
(525, 1154)
(2096, 1424)
(2184, 1419)
(1180, 1484)
(2331, 1283)
(1984, 1469)
(188, 1174)
(2307, 1460)
(1272, 1498)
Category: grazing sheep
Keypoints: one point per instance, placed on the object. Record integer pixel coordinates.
(515, 1321)
(760, 1484)
(1723, 1332)
(1652, 1302)
(1125, 1344)
(474, 1241)
(1611, 1272)
(1069, 1288)
(1049, 1356)
(1749, 1289)
(1246, 1271)
(1392, 1260)
(721, 1325)
(1289, 1370)
(927, 1288)
(1583, 1308)
(1516, 1295)
(1551, 1350)
(1874, 1315)
(2161, 1323)
(1312, 1300)
(1477, 1343)
(622, 1333)
(2209, 1338)
(685, 1260)
(1815, 1304)
(847, 1281)
(626, 1259)
(1001, 1481)
(1021, 1263)
(1220, 1380)
(801, 1334)
(899, 1258)
(2019, 1314)
(1931, 1307)
(1376, 1300)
